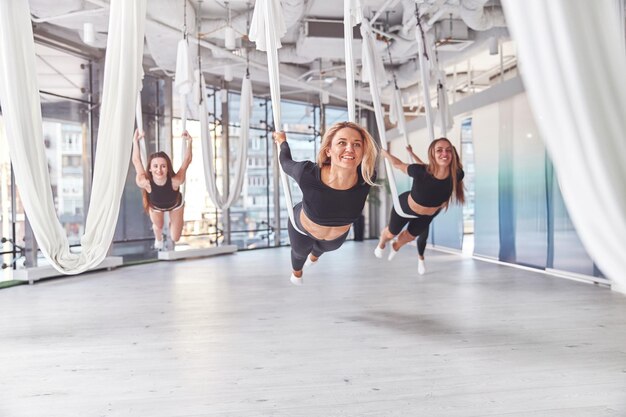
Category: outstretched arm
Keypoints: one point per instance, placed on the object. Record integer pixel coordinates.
(414, 156)
(291, 167)
(181, 175)
(141, 178)
(397, 164)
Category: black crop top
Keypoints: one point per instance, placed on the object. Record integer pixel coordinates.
(427, 190)
(163, 196)
(322, 204)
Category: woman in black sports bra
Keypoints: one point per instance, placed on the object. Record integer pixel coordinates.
(160, 189)
(434, 185)
(333, 191)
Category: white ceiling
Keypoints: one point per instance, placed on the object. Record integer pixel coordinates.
(308, 62)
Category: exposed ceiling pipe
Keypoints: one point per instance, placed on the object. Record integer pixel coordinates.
(67, 15)
(214, 28)
(408, 74)
(99, 3)
(478, 17)
(47, 8)
(171, 13)
(480, 39)
(287, 54)
(286, 77)
(388, 4)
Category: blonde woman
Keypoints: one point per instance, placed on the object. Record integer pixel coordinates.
(333, 191)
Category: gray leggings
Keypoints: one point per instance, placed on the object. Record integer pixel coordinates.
(302, 245)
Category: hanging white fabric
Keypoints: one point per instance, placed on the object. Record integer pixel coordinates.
(352, 16)
(397, 108)
(245, 112)
(425, 67)
(183, 85)
(444, 118)
(139, 121)
(266, 29)
(573, 69)
(373, 67)
(21, 108)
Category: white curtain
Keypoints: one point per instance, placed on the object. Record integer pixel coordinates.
(573, 65)
(245, 111)
(19, 95)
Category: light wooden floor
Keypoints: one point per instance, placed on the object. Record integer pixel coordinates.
(230, 336)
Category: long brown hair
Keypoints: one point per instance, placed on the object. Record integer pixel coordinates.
(170, 174)
(370, 150)
(458, 189)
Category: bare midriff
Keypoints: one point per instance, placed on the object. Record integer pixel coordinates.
(322, 232)
(419, 209)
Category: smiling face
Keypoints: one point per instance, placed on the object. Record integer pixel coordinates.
(346, 148)
(158, 168)
(441, 153)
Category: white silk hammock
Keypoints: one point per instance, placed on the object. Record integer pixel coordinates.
(21, 108)
(373, 68)
(444, 117)
(245, 111)
(420, 37)
(352, 16)
(396, 109)
(143, 153)
(183, 85)
(268, 26)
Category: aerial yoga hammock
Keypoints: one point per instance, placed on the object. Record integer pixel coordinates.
(375, 72)
(163, 189)
(183, 85)
(335, 188)
(21, 109)
(417, 223)
(224, 201)
(267, 27)
(352, 16)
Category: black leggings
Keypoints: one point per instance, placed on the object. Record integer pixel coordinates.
(302, 245)
(418, 227)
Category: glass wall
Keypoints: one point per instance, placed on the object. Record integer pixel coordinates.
(251, 220)
(63, 140)
(251, 213)
(11, 213)
(69, 131)
(300, 125)
(467, 157)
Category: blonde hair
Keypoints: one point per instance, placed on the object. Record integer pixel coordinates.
(458, 191)
(370, 150)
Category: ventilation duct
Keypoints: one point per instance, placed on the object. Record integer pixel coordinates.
(451, 35)
(324, 39)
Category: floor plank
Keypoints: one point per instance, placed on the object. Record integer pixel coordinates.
(230, 336)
